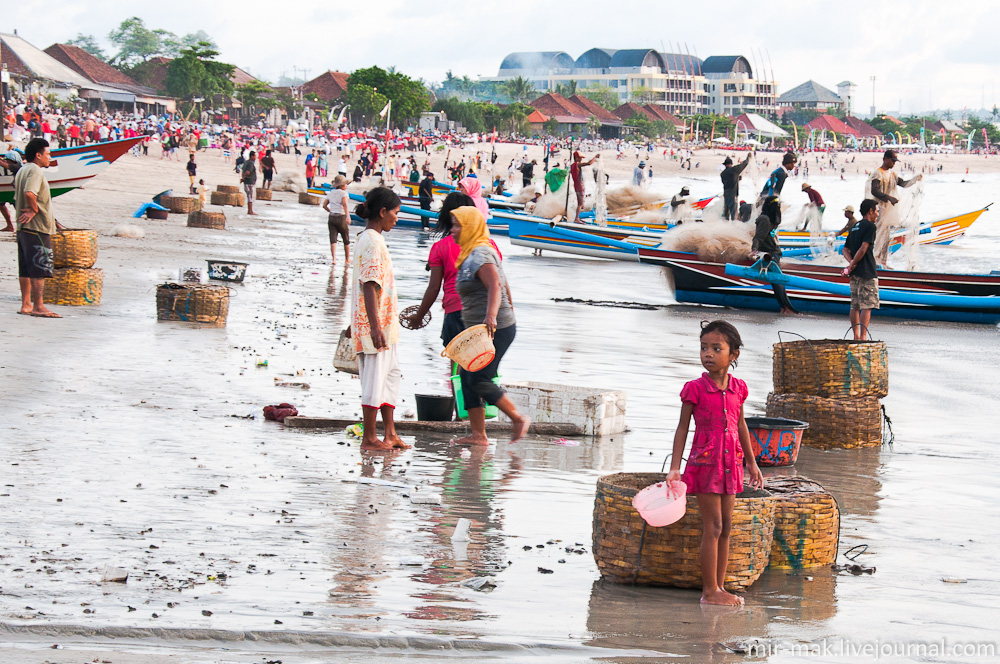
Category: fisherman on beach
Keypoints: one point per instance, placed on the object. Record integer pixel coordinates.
(35, 227)
(731, 185)
(576, 175)
(881, 186)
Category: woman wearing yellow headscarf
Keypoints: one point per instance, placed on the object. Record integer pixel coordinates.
(485, 294)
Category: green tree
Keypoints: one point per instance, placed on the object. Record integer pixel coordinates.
(520, 89)
(89, 44)
(409, 97)
(567, 89)
(994, 113)
(196, 74)
(364, 101)
(594, 125)
(601, 95)
(515, 118)
(642, 95)
(136, 43)
(256, 96)
(551, 126)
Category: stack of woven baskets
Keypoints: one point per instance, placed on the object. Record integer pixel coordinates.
(227, 194)
(834, 385)
(75, 280)
(208, 304)
(181, 204)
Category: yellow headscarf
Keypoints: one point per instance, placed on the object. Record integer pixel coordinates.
(474, 232)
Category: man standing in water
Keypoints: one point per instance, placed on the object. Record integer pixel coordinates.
(815, 208)
(861, 269)
(881, 186)
(731, 185)
(576, 175)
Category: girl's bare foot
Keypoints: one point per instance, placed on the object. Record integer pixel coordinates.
(375, 443)
(474, 439)
(396, 442)
(520, 429)
(721, 597)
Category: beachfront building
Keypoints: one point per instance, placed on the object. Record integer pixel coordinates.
(98, 71)
(732, 88)
(812, 96)
(328, 86)
(34, 72)
(678, 83)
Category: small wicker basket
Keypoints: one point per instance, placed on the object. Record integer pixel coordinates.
(670, 555)
(227, 188)
(74, 248)
(216, 220)
(181, 204)
(224, 198)
(806, 524)
(832, 368)
(263, 194)
(308, 199)
(843, 423)
(207, 304)
(74, 286)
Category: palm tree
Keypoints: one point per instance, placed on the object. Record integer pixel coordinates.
(994, 113)
(566, 89)
(593, 125)
(520, 89)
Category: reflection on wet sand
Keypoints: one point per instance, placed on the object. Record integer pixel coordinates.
(852, 476)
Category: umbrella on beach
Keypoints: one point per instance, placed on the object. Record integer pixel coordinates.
(721, 139)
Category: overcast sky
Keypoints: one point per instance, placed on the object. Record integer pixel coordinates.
(924, 54)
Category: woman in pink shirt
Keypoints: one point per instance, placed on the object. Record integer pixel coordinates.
(441, 263)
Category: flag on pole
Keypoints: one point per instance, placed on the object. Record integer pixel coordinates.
(493, 138)
(385, 110)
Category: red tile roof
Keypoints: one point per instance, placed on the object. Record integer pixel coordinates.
(663, 114)
(86, 64)
(629, 110)
(830, 123)
(556, 105)
(14, 64)
(153, 73)
(537, 117)
(864, 129)
(327, 86)
(898, 123)
(595, 109)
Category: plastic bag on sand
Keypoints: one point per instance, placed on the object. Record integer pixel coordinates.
(480, 583)
(717, 242)
(280, 412)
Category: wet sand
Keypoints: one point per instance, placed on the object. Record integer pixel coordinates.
(127, 445)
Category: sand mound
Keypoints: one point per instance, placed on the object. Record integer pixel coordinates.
(128, 230)
(293, 181)
(719, 242)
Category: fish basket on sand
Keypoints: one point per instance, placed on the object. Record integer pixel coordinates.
(472, 348)
(202, 219)
(806, 524)
(263, 194)
(193, 303)
(843, 423)
(224, 198)
(832, 368)
(181, 204)
(227, 188)
(629, 551)
(74, 248)
(308, 199)
(74, 286)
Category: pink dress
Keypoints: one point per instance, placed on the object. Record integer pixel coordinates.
(715, 464)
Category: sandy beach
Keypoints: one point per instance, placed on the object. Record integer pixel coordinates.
(136, 444)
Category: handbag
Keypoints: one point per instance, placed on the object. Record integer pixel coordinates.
(346, 358)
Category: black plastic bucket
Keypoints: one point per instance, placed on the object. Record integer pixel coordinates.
(435, 408)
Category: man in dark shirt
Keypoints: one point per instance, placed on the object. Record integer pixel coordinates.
(267, 168)
(731, 185)
(765, 241)
(859, 252)
(192, 170)
(528, 172)
(425, 192)
(776, 182)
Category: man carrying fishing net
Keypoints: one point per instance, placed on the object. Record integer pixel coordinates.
(881, 186)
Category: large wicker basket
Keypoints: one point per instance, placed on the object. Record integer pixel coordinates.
(263, 194)
(845, 423)
(832, 368)
(181, 204)
(202, 219)
(227, 188)
(308, 199)
(670, 555)
(193, 303)
(74, 286)
(806, 524)
(234, 199)
(74, 248)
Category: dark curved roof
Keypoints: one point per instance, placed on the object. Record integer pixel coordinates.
(689, 64)
(637, 57)
(724, 64)
(595, 58)
(538, 60)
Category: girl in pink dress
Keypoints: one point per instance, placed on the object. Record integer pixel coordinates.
(714, 471)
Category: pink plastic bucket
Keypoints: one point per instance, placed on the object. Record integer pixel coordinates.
(661, 504)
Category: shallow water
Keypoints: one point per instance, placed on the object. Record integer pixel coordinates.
(125, 445)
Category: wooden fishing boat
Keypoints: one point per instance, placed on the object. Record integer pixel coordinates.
(969, 298)
(72, 167)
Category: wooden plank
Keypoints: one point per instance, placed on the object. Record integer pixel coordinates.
(409, 426)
